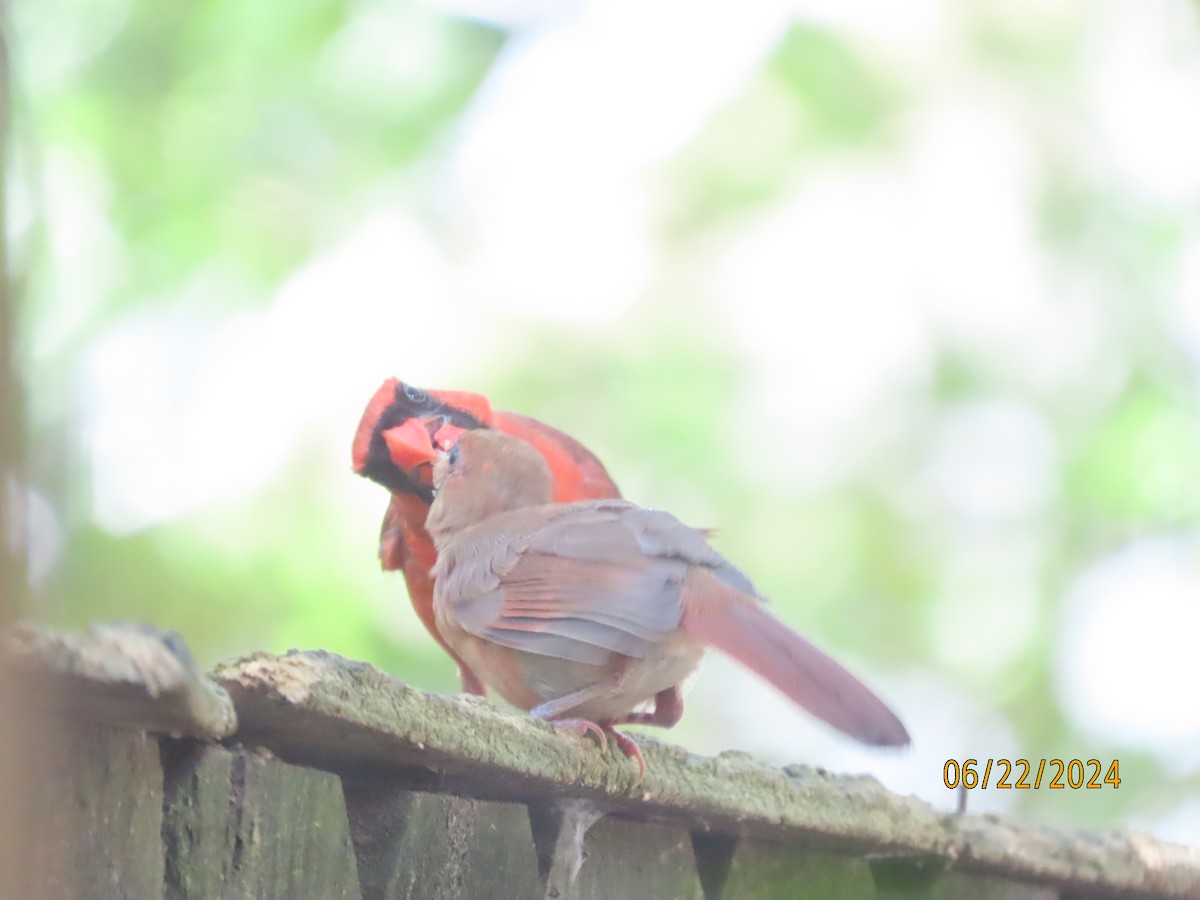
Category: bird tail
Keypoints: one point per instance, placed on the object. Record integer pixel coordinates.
(740, 627)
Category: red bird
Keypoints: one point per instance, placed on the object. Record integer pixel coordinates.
(392, 447)
(583, 612)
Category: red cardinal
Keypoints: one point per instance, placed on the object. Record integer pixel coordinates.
(585, 611)
(392, 447)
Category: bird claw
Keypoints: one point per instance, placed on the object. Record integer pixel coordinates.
(584, 727)
(624, 742)
(630, 748)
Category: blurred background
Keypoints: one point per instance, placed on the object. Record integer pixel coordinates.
(904, 299)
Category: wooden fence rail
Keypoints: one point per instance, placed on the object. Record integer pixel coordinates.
(308, 775)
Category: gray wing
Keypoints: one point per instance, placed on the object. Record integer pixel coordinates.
(577, 581)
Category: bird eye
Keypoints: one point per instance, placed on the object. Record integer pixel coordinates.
(453, 455)
(415, 394)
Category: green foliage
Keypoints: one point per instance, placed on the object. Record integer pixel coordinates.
(814, 98)
(1139, 467)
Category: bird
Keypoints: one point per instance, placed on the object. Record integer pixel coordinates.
(392, 448)
(592, 614)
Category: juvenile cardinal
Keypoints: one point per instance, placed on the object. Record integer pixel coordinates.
(582, 612)
(393, 448)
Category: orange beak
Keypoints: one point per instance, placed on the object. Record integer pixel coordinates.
(409, 444)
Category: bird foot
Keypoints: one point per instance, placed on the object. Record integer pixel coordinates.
(630, 748)
(584, 727)
(624, 742)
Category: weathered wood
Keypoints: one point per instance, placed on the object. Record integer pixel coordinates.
(752, 869)
(94, 826)
(588, 856)
(559, 827)
(323, 710)
(623, 858)
(917, 878)
(239, 824)
(956, 885)
(136, 676)
(413, 845)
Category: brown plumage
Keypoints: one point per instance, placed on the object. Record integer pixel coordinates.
(586, 611)
(393, 447)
